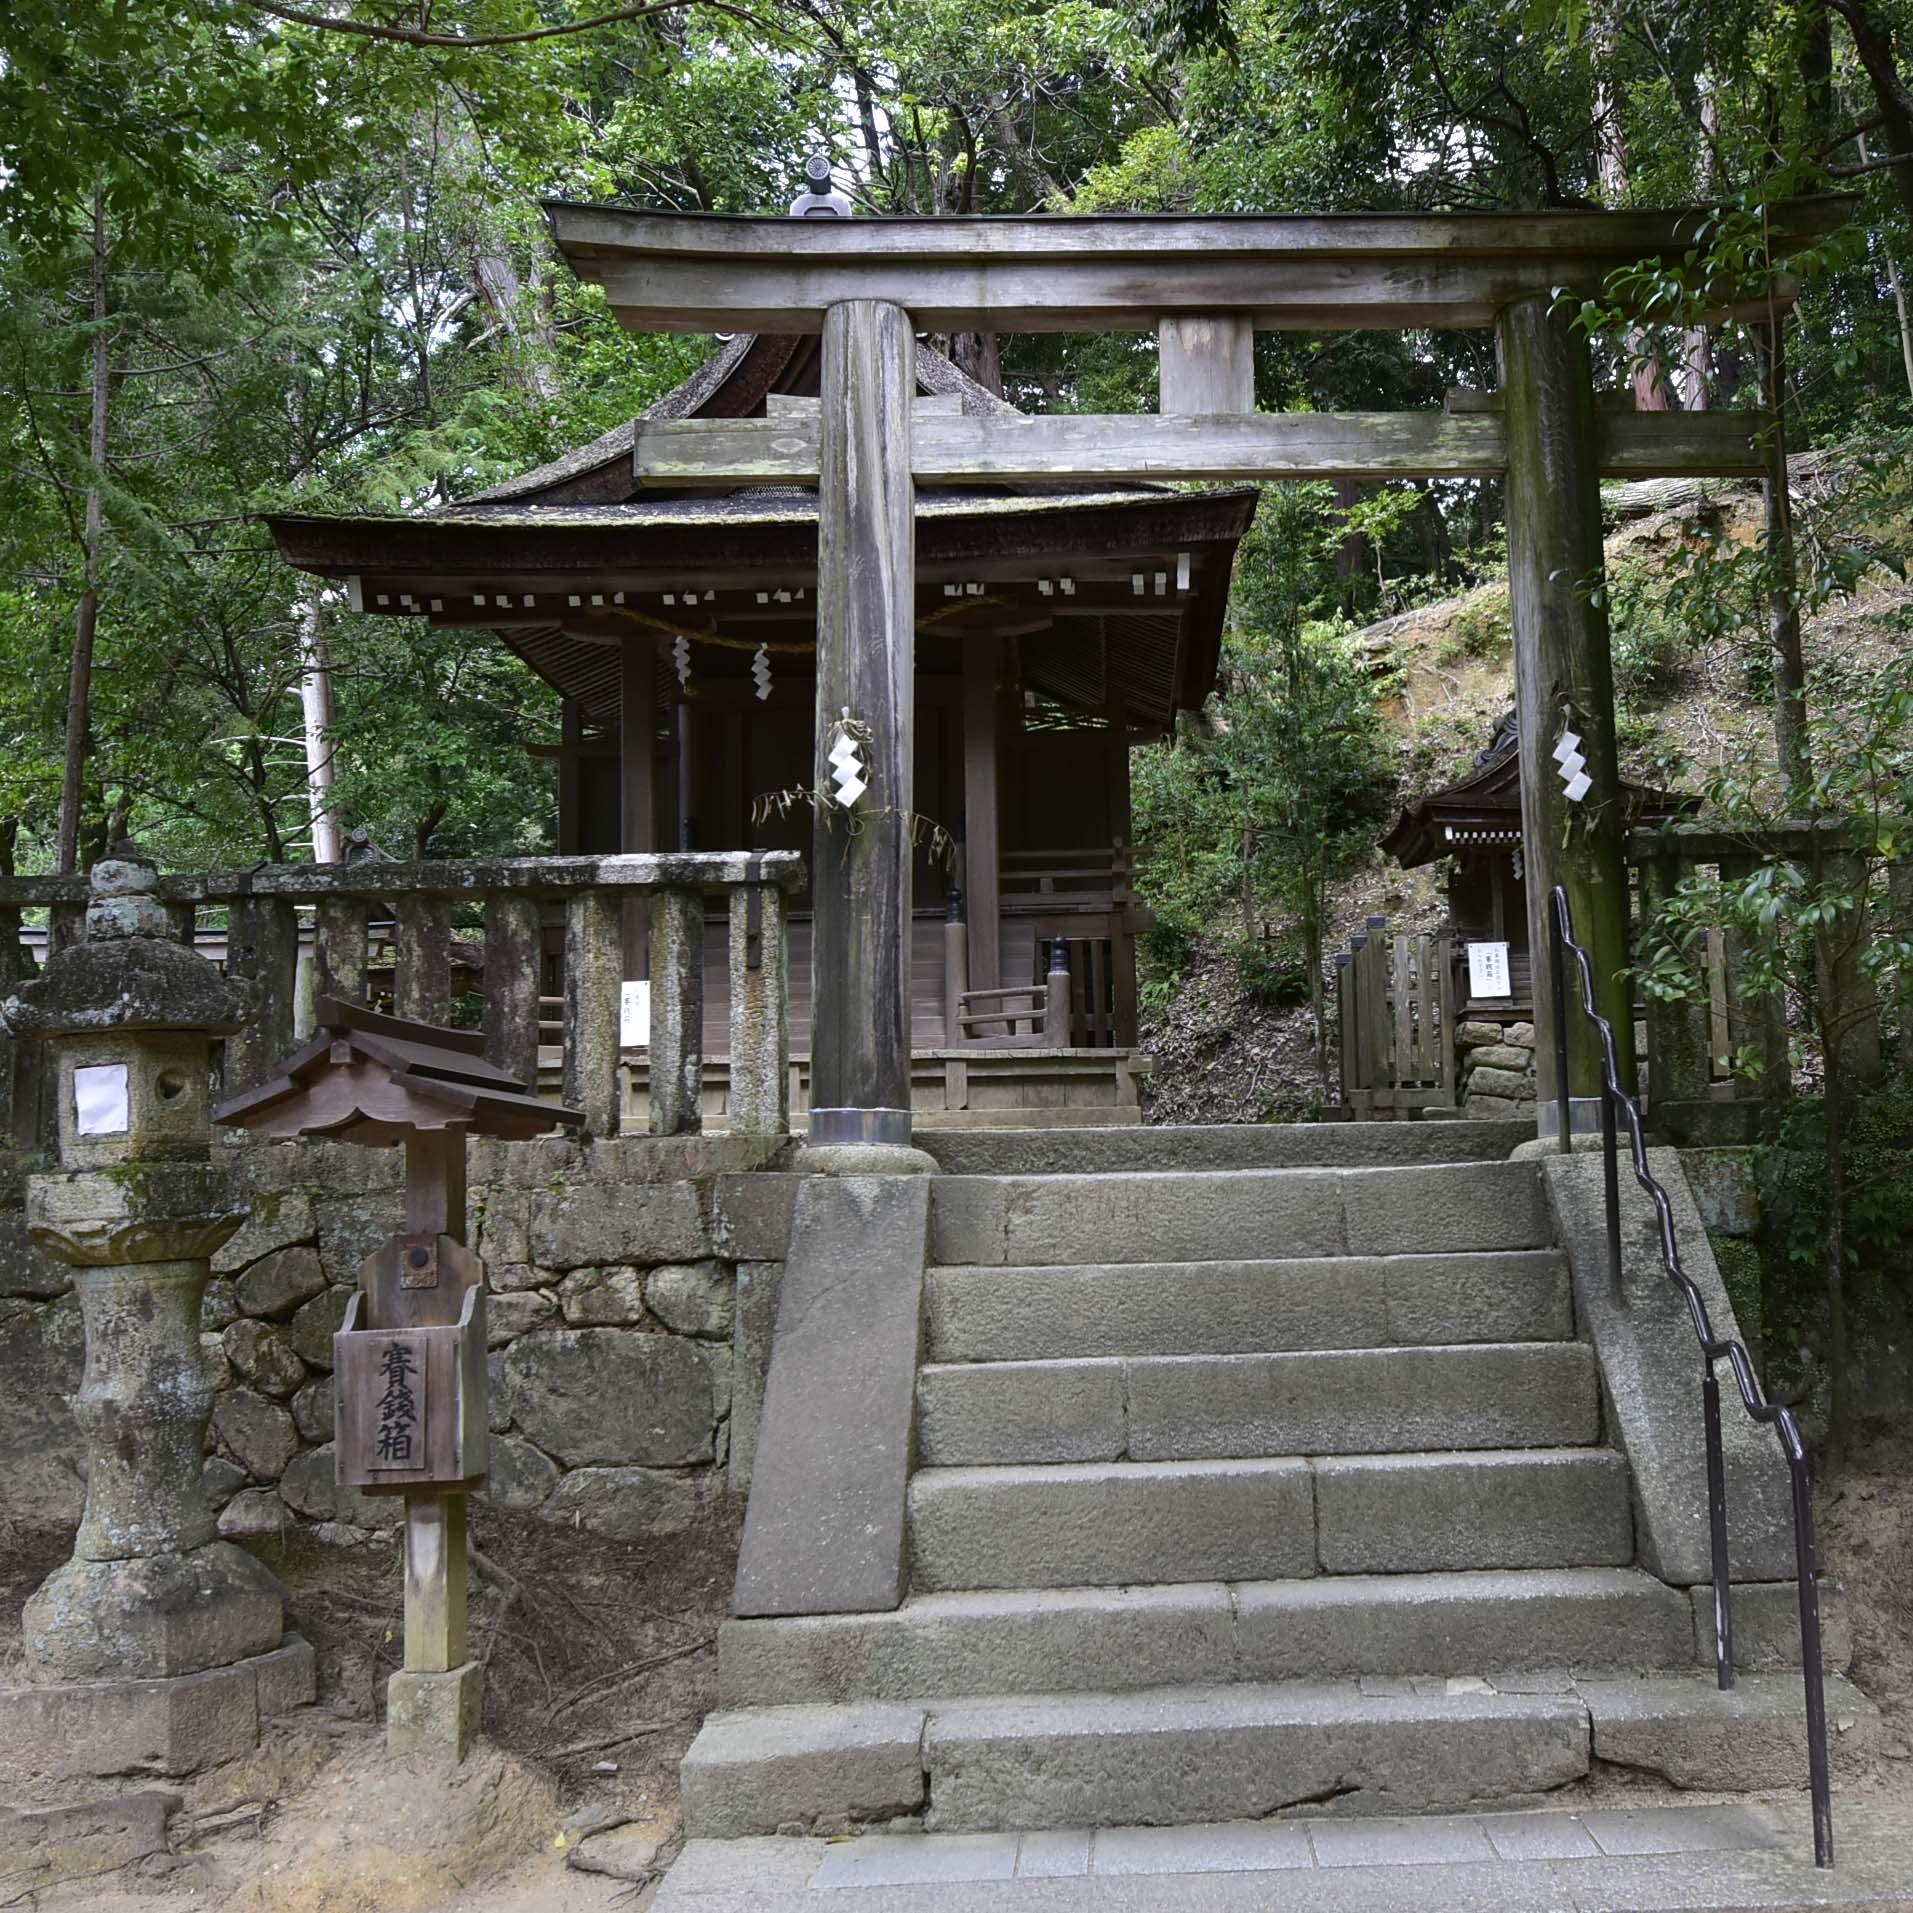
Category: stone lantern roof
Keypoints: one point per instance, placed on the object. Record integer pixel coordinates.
(131, 973)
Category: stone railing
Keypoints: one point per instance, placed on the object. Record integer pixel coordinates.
(601, 900)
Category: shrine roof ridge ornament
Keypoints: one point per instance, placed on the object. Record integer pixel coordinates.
(695, 272)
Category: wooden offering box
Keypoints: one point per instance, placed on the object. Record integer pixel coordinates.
(410, 1402)
(409, 1362)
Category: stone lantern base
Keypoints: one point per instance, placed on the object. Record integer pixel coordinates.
(175, 1725)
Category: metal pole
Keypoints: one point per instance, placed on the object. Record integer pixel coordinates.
(1812, 1672)
(1610, 1155)
(1717, 1529)
(1557, 972)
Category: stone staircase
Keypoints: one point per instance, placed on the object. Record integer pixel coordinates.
(1276, 1485)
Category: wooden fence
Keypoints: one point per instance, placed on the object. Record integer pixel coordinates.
(1396, 998)
(514, 896)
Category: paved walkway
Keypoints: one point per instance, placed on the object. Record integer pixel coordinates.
(1645, 1860)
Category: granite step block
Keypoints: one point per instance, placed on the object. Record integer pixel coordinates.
(1060, 1640)
(1107, 1524)
(1190, 1407)
(981, 1314)
(1174, 1755)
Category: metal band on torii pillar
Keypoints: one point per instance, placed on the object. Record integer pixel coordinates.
(1564, 680)
(866, 625)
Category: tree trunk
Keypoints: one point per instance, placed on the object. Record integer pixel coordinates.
(1827, 970)
(315, 694)
(1644, 371)
(1783, 593)
(1873, 42)
(977, 354)
(1899, 290)
(1318, 1000)
(79, 692)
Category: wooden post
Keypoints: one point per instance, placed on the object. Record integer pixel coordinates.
(760, 1012)
(981, 858)
(956, 970)
(435, 1184)
(1899, 882)
(422, 983)
(1207, 364)
(1680, 1064)
(514, 959)
(435, 1587)
(1056, 991)
(1754, 1023)
(1850, 999)
(571, 719)
(677, 1013)
(637, 788)
(866, 615)
(1564, 680)
(435, 1571)
(594, 957)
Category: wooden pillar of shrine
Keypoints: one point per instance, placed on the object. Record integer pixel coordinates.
(637, 786)
(1564, 682)
(866, 626)
(980, 836)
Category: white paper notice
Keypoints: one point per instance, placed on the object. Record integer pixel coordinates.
(99, 1099)
(1488, 970)
(634, 1020)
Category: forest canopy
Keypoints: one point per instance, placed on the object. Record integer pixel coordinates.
(256, 256)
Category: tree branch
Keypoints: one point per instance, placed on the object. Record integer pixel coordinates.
(419, 37)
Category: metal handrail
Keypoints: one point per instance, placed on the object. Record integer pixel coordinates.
(1713, 1348)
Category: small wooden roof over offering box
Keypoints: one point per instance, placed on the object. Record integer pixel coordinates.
(373, 1079)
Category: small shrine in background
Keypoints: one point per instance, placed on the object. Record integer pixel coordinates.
(1445, 1018)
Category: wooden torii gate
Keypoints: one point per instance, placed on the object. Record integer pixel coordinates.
(1204, 286)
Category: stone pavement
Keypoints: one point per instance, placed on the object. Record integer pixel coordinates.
(1645, 1859)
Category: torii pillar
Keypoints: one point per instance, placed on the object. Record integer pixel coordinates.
(1564, 681)
(866, 669)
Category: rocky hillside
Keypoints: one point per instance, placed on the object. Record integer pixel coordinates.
(1220, 1054)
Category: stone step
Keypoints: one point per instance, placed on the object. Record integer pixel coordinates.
(1170, 1146)
(1239, 1308)
(1059, 1640)
(1116, 1523)
(1246, 1214)
(1194, 1754)
(1201, 1407)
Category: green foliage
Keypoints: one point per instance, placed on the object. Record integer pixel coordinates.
(1879, 1178)
(1276, 791)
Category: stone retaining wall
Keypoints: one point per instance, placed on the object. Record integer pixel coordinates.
(615, 1270)
(1497, 1068)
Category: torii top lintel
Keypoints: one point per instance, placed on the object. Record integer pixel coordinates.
(683, 272)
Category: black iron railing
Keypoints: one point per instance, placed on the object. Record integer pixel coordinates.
(1617, 1104)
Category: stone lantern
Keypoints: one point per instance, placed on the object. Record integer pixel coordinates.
(158, 1646)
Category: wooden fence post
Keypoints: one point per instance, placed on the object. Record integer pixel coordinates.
(1679, 1035)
